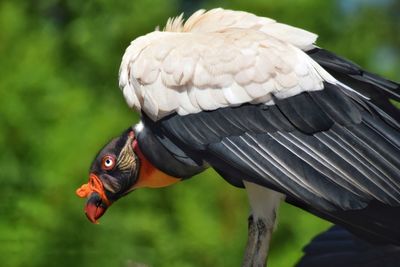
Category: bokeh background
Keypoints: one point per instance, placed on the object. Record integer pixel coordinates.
(59, 103)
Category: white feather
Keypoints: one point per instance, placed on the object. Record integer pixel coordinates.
(236, 95)
(131, 98)
(206, 101)
(255, 90)
(185, 105)
(216, 59)
(150, 106)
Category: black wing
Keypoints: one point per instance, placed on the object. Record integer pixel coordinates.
(338, 247)
(377, 89)
(334, 152)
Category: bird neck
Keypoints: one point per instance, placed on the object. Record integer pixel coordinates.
(165, 152)
(149, 175)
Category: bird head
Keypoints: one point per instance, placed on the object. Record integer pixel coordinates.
(119, 168)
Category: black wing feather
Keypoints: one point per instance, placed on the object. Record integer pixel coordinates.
(302, 111)
(368, 84)
(377, 89)
(338, 247)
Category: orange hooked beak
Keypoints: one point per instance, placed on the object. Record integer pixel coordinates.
(97, 201)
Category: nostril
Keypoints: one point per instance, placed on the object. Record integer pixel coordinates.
(99, 203)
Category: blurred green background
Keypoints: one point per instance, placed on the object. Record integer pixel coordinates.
(59, 103)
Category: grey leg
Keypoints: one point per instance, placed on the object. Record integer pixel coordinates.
(251, 243)
(264, 203)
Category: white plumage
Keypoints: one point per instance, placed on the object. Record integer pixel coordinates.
(217, 59)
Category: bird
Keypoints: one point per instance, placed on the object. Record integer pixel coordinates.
(270, 111)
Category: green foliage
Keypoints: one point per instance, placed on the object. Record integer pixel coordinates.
(59, 103)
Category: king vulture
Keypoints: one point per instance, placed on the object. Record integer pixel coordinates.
(271, 112)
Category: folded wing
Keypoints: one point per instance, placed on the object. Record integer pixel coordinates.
(327, 151)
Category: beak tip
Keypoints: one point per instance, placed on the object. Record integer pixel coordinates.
(91, 219)
(94, 211)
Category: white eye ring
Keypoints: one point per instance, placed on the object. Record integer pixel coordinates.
(108, 162)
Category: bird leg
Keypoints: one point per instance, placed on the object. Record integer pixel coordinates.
(257, 246)
(251, 242)
(264, 203)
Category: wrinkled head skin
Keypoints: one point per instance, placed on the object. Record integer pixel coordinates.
(112, 175)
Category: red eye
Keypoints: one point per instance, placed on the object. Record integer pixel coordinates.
(108, 162)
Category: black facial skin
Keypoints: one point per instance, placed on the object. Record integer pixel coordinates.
(116, 182)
